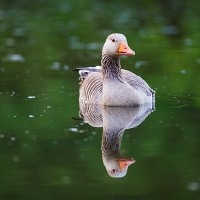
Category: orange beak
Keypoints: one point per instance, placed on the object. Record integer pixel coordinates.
(125, 162)
(125, 50)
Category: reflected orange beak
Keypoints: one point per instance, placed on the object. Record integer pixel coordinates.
(125, 50)
(125, 162)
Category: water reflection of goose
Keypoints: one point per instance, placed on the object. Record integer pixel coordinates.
(110, 85)
(114, 120)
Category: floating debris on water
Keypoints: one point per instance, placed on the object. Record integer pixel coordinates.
(14, 58)
(73, 129)
(31, 97)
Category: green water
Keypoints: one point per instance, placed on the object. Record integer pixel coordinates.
(45, 153)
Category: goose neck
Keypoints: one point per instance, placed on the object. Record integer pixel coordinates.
(111, 143)
(111, 67)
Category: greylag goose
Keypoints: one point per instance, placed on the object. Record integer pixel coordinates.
(114, 120)
(110, 85)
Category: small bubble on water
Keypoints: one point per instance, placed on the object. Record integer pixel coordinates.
(10, 42)
(134, 141)
(66, 179)
(185, 138)
(198, 60)
(137, 64)
(55, 66)
(183, 71)
(66, 67)
(188, 41)
(18, 32)
(85, 140)
(127, 136)
(76, 141)
(24, 145)
(34, 138)
(2, 69)
(81, 155)
(55, 142)
(91, 138)
(15, 159)
(193, 186)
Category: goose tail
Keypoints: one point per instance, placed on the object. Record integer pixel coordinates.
(85, 71)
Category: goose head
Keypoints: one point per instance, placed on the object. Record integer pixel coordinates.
(117, 167)
(116, 45)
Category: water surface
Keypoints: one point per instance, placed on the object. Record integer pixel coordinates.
(45, 152)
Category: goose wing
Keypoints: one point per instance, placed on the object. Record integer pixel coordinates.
(91, 88)
(137, 82)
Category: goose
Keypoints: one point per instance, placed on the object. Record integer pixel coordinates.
(114, 120)
(108, 84)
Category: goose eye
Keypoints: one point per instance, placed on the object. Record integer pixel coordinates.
(113, 40)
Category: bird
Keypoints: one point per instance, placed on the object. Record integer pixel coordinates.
(114, 120)
(108, 84)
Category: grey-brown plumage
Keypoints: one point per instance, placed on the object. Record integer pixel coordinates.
(109, 84)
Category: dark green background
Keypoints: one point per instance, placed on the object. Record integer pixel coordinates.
(42, 156)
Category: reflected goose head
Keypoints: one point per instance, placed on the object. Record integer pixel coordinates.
(117, 167)
(116, 45)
